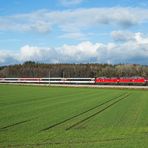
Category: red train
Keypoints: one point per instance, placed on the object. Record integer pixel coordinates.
(122, 80)
(97, 81)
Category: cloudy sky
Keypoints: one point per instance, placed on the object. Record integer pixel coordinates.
(74, 31)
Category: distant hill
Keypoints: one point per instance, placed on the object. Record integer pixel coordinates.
(32, 69)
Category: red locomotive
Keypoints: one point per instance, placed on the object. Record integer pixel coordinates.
(122, 80)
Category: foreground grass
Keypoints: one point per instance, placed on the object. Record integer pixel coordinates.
(72, 117)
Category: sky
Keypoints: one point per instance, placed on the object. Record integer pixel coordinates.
(74, 31)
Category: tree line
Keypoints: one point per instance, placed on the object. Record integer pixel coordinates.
(32, 69)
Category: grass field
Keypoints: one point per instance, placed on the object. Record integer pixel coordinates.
(33, 116)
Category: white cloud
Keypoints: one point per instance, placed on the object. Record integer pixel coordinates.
(36, 54)
(122, 35)
(3, 56)
(127, 36)
(79, 52)
(131, 51)
(140, 38)
(7, 57)
(73, 21)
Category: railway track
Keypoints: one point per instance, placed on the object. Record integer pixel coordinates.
(85, 86)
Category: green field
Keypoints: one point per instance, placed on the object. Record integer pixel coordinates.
(33, 116)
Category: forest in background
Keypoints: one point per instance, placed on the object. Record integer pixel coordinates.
(32, 69)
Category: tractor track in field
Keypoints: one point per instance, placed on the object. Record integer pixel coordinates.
(86, 111)
(68, 142)
(96, 113)
(17, 123)
(14, 124)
